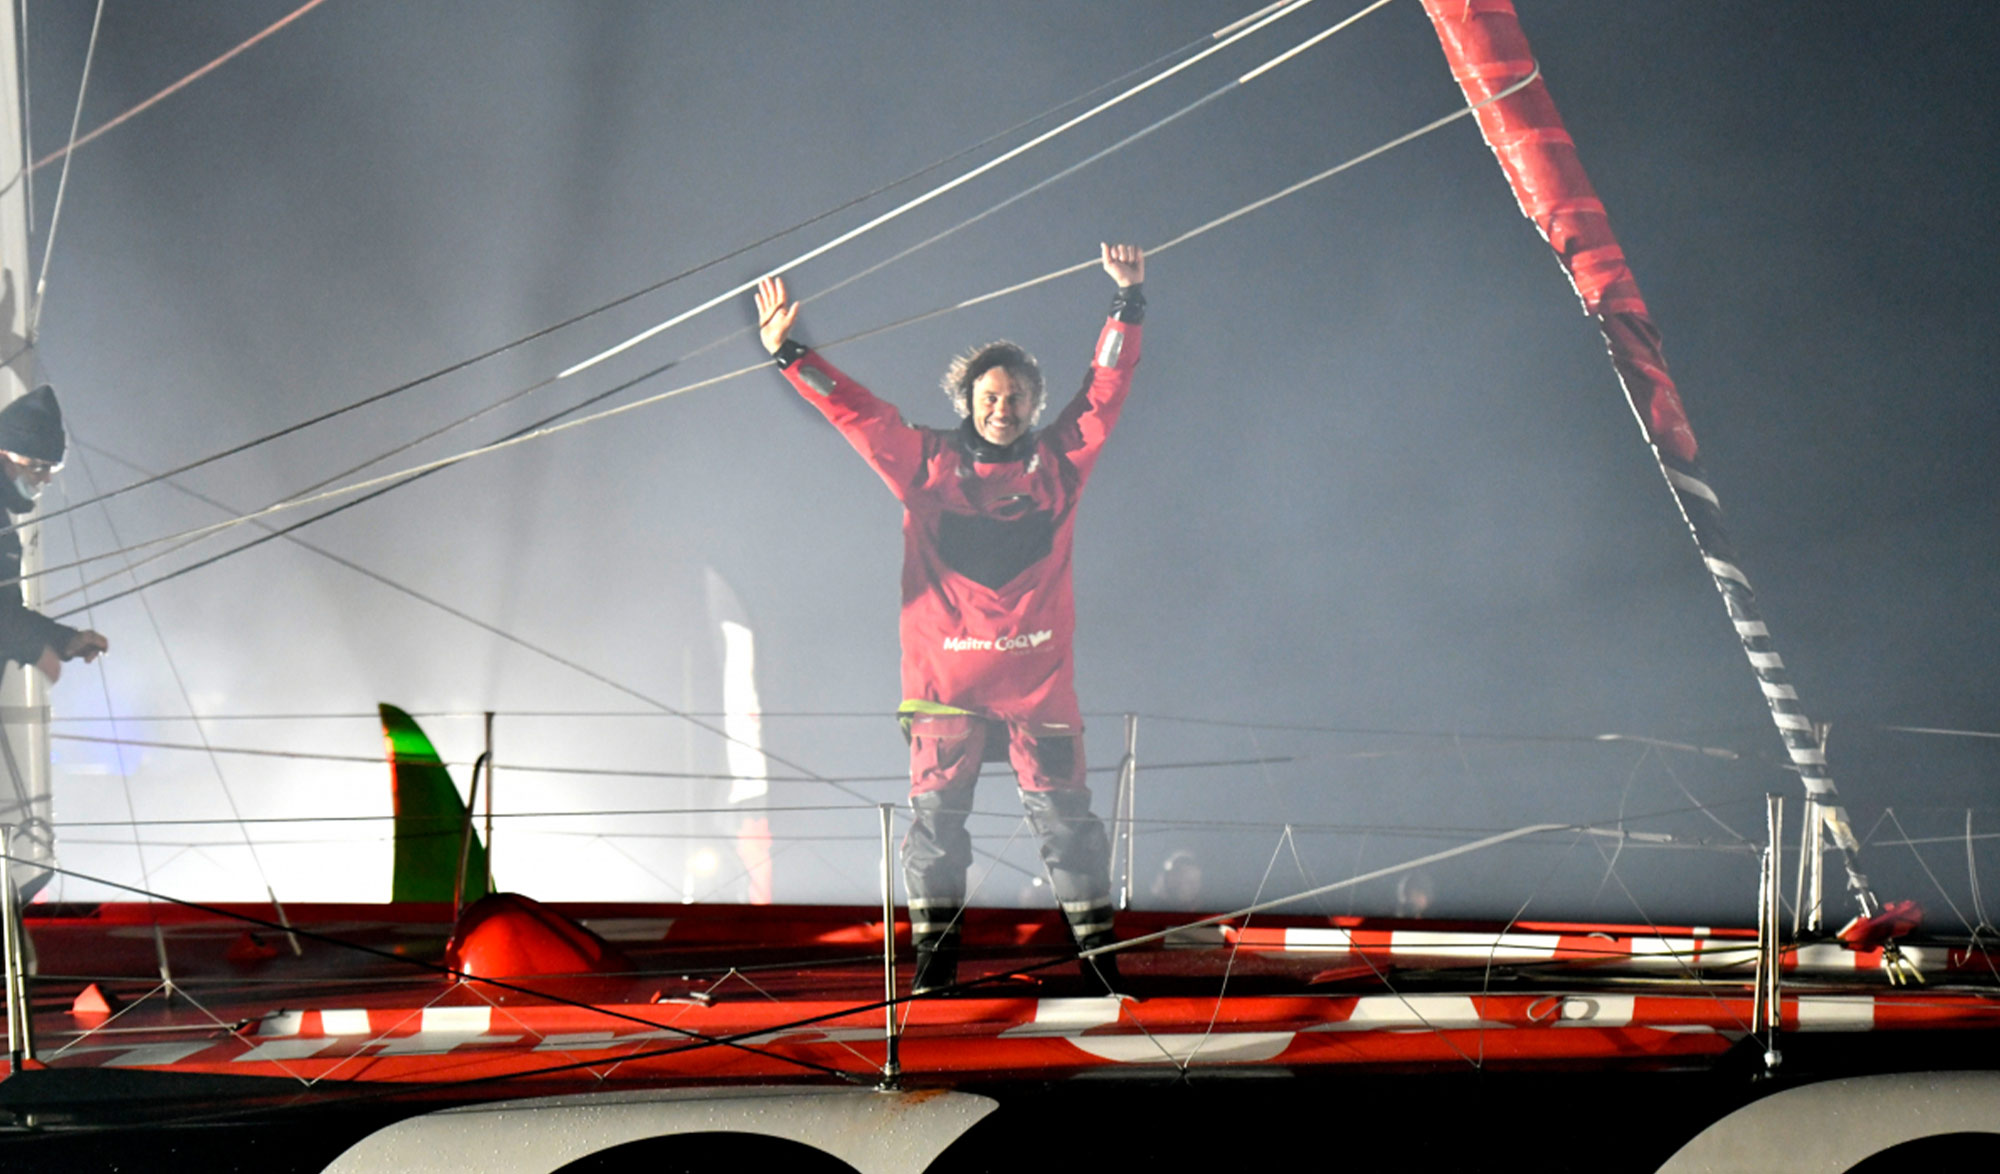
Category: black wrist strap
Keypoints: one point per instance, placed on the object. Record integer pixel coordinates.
(789, 352)
(1129, 304)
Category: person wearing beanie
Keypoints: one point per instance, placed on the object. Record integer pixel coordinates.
(989, 508)
(31, 450)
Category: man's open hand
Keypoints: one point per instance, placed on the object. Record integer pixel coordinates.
(87, 644)
(774, 314)
(1125, 263)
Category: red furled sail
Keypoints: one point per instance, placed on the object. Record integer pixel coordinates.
(1488, 53)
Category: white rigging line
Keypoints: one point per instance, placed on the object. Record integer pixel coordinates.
(27, 118)
(174, 546)
(62, 183)
(187, 698)
(27, 168)
(1093, 158)
(131, 810)
(671, 393)
(1943, 732)
(621, 300)
(513, 638)
(1479, 845)
(1688, 970)
(1924, 864)
(947, 186)
(1212, 225)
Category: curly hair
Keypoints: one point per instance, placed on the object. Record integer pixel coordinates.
(965, 370)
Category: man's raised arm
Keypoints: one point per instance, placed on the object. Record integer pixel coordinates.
(1088, 419)
(873, 426)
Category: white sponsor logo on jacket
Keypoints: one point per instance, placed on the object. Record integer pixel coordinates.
(1019, 643)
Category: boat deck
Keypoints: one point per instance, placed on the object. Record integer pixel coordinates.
(708, 993)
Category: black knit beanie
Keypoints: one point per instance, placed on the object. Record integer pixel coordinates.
(32, 426)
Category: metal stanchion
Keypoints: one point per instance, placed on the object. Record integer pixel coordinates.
(483, 762)
(891, 1066)
(1806, 895)
(1816, 879)
(20, 1047)
(1125, 806)
(1764, 1005)
(489, 801)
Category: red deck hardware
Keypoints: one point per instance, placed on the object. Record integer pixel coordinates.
(507, 935)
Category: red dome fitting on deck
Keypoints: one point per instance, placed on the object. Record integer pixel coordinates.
(507, 935)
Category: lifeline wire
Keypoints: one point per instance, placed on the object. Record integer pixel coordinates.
(1350, 882)
(635, 294)
(389, 479)
(736, 1041)
(1413, 831)
(549, 654)
(617, 772)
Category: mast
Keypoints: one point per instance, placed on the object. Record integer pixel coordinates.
(24, 714)
(1488, 52)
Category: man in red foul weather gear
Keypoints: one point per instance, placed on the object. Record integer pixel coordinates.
(988, 614)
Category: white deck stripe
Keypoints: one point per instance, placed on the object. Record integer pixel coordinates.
(1506, 947)
(1596, 1011)
(1836, 1013)
(281, 1023)
(1063, 1016)
(1412, 1013)
(464, 1020)
(1222, 1047)
(148, 1055)
(1825, 957)
(1304, 940)
(344, 1022)
(582, 1041)
(443, 1028)
(295, 1048)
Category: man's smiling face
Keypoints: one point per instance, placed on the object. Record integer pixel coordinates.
(1001, 408)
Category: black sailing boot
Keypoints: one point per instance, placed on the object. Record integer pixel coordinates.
(1100, 968)
(937, 964)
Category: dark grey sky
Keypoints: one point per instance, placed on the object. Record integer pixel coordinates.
(1376, 474)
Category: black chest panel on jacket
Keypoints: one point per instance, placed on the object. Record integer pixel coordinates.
(992, 551)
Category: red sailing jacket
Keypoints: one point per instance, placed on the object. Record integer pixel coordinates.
(988, 612)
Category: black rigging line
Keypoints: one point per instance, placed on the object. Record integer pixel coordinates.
(613, 304)
(286, 531)
(410, 475)
(697, 1042)
(606, 771)
(467, 617)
